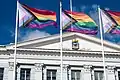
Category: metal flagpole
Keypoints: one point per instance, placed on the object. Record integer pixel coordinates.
(15, 47)
(61, 24)
(101, 35)
(71, 5)
(71, 11)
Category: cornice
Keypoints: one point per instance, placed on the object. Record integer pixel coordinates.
(34, 50)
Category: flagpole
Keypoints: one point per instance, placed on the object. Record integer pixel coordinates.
(71, 11)
(15, 47)
(61, 38)
(101, 35)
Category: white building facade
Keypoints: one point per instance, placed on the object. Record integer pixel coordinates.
(39, 59)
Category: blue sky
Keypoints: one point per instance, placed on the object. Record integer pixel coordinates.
(8, 14)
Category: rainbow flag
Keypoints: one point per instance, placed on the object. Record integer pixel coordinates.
(115, 16)
(110, 21)
(81, 23)
(35, 18)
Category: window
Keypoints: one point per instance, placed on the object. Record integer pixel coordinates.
(1, 73)
(51, 74)
(118, 75)
(25, 74)
(75, 75)
(98, 75)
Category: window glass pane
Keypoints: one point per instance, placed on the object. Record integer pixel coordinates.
(51, 74)
(75, 75)
(1, 73)
(78, 74)
(98, 75)
(25, 74)
(48, 74)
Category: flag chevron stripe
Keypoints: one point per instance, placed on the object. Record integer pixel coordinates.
(115, 16)
(23, 15)
(106, 12)
(107, 22)
(111, 21)
(69, 16)
(28, 21)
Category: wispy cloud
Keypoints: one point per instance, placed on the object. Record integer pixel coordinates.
(30, 35)
(12, 33)
(107, 8)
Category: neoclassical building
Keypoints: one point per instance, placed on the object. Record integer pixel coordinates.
(39, 59)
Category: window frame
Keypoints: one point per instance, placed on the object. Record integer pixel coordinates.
(51, 73)
(99, 71)
(76, 73)
(25, 73)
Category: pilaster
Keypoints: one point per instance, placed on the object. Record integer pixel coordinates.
(10, 71)
(87, 72)
(65, 71)
(111, 72)
(39, 71)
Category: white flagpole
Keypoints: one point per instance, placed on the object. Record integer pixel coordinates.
(61, 24)
(71, 5)
(101, 35)
(71, 11)
(15, 47)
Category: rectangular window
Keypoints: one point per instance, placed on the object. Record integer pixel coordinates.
(98, 75)
(1, 73)
(75, 74)
(25, 74)
(51, 74)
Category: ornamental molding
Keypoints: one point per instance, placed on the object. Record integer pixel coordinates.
(38, 67)
(87, 68)
(11, 66)
(111, 69)
(66, 53)
(65, 67)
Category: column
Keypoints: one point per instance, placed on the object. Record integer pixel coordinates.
(10, 71)
(65, 71)
(110, 72)
(38, 71)
(87, 72)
